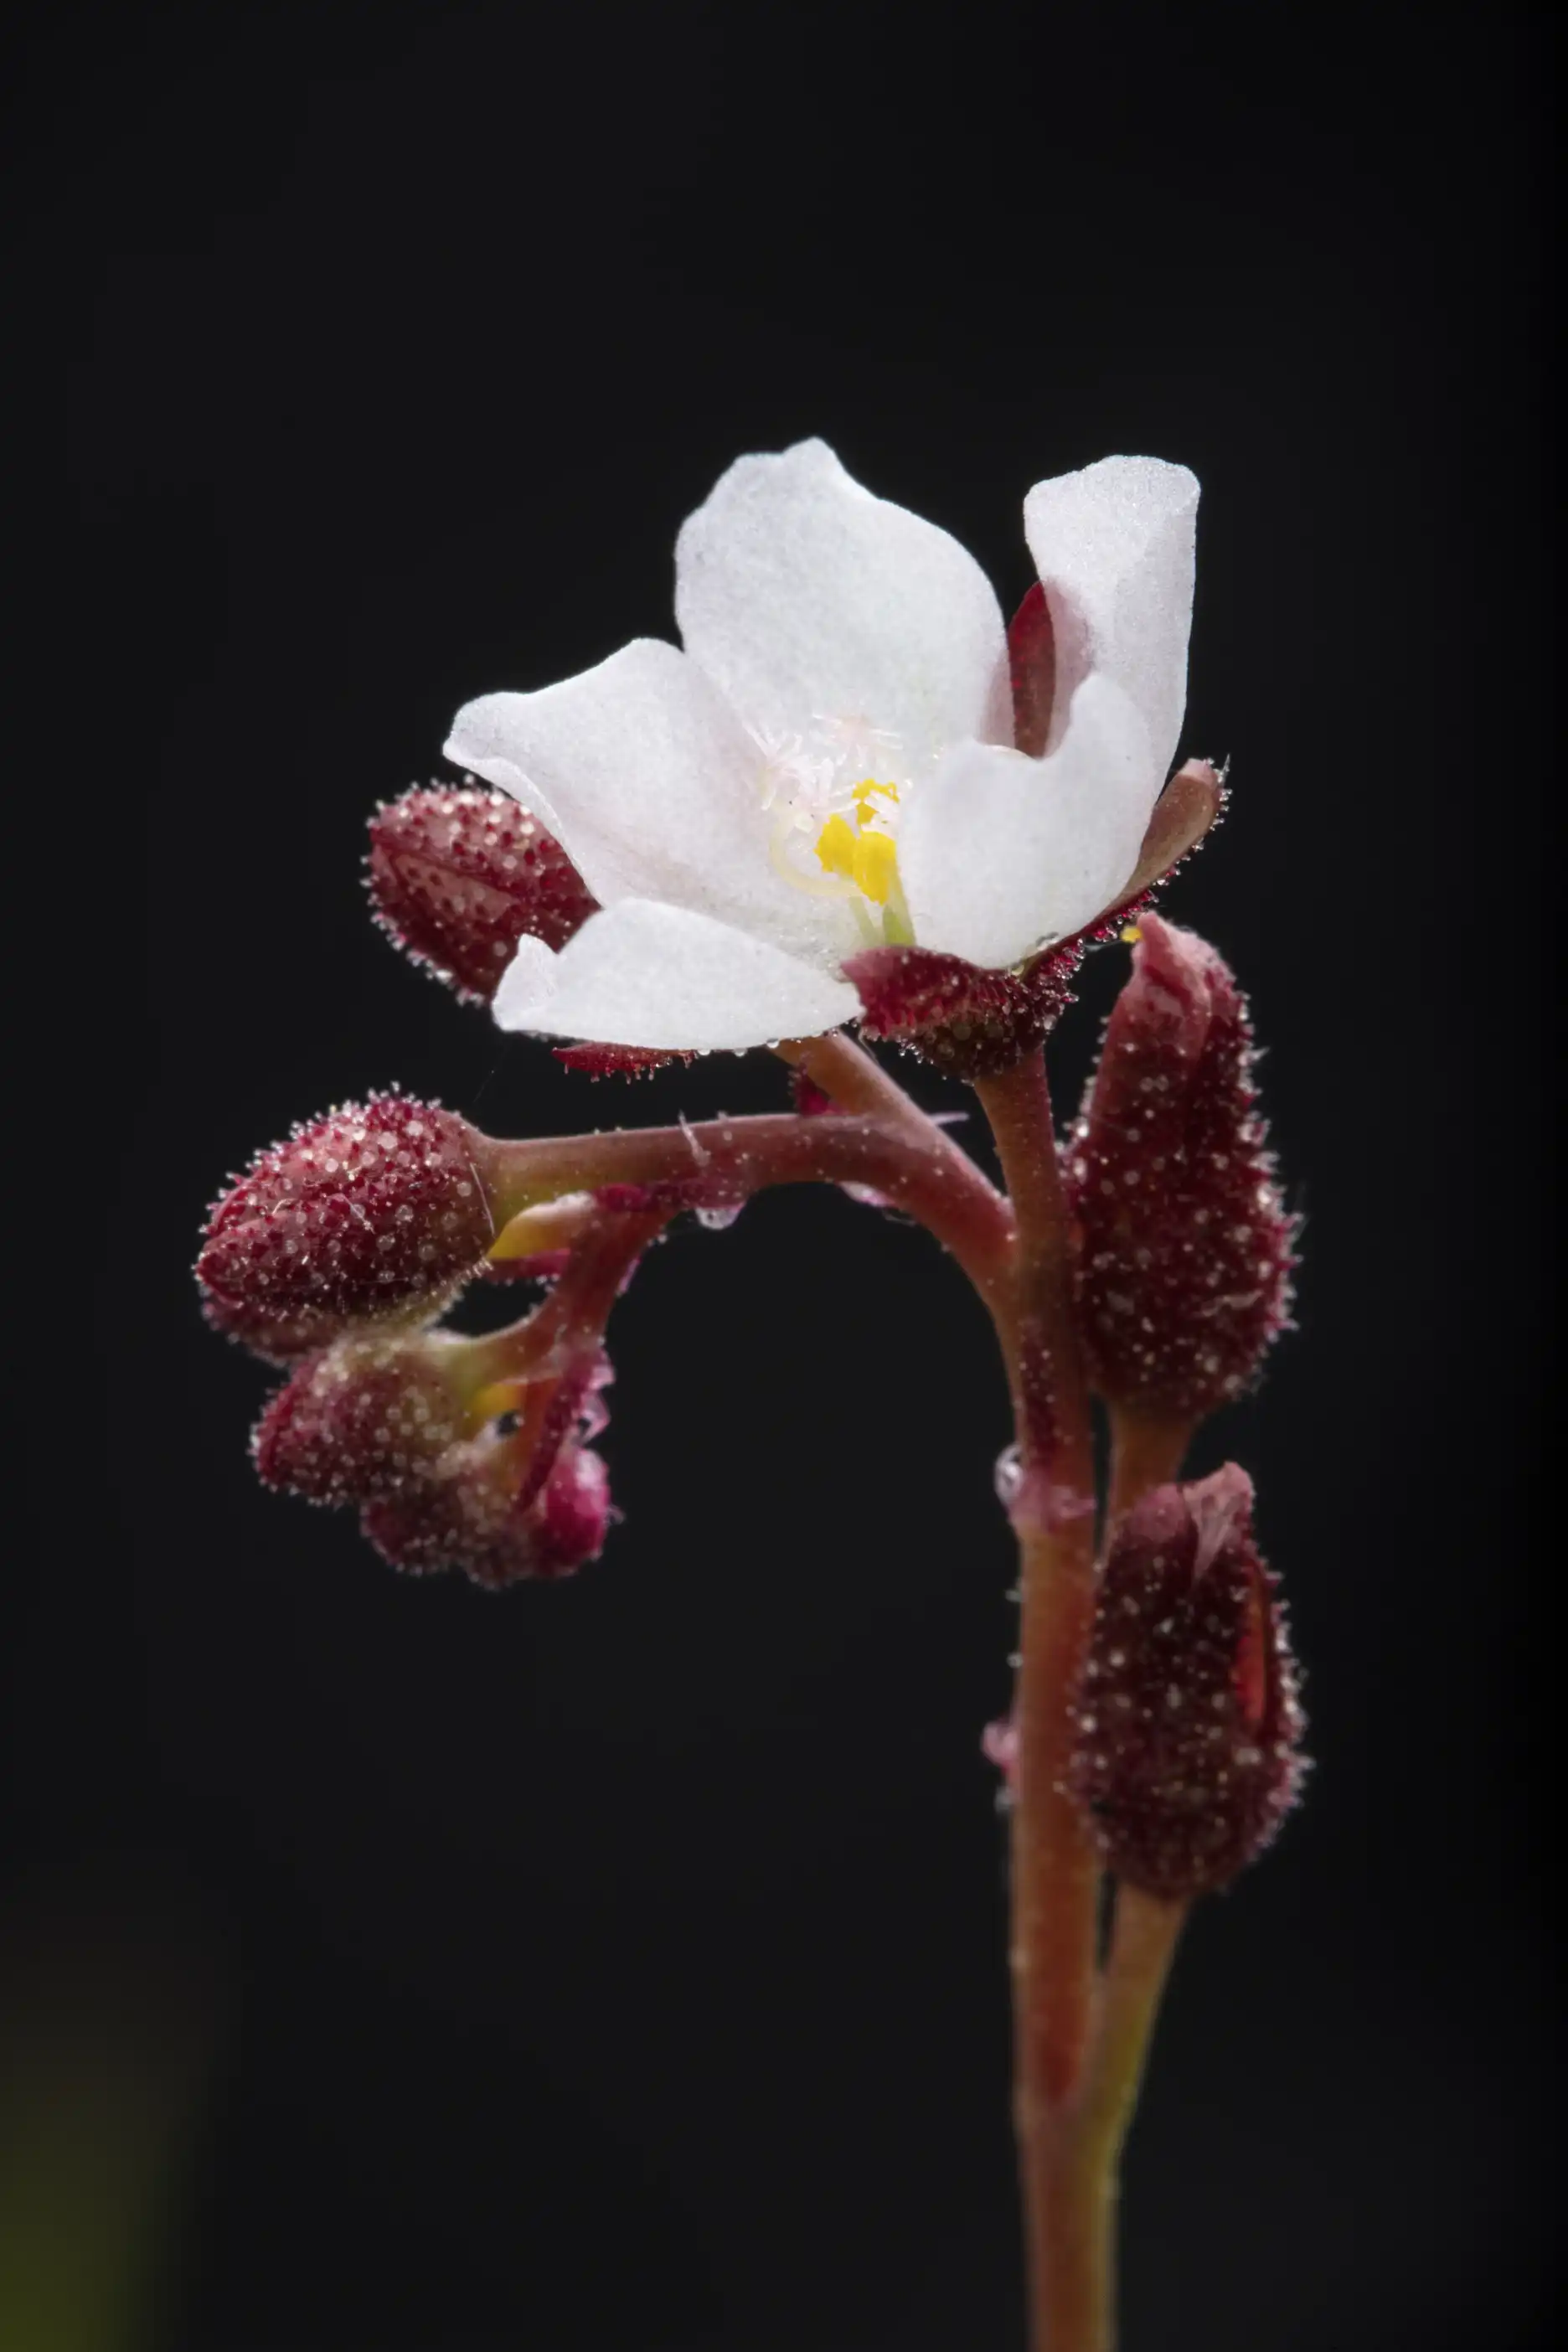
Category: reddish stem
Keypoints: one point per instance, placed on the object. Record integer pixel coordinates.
(1054, 1873)
(1146, 1451)
(911, 1162)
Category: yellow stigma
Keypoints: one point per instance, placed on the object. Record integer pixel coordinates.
(862, 797)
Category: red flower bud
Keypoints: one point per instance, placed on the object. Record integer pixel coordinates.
(456, 877)
(364, 1418)
(1185, 1250)
(524, 1498)
(372, 1211)
(276, 1339)
(484, 1513)
(1186, 1727)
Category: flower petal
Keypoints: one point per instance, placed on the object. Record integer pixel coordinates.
(650, 975)
(527, 984)
(1001, 853)
(804, 596)
(653, 788)
(1113, 546)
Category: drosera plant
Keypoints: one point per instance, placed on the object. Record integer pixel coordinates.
(854, 798)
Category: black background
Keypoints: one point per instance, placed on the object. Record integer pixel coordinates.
(621, 1964)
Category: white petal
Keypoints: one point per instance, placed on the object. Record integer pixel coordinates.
(641, 974)
(801, 595)
(653, 788)
(1000, 854)
(527, 983)
(1113, 546)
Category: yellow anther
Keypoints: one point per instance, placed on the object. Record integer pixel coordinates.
(1129, 935)
(836, 848)
(868, 858)
(875, 865)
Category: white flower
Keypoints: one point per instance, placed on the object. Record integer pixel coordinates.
(829, 762)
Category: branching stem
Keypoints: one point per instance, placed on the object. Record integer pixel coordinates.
(1081, 2034)
(905, 1157)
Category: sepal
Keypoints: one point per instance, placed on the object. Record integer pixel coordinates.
(964, 1019)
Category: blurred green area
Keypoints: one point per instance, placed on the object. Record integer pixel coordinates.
(110, 2007)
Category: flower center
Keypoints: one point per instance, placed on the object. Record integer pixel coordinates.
(864, 851)
(835, 828)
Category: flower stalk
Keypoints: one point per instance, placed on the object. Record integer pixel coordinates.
(1147, 1450)
(1055, 1870)
(722, 1161)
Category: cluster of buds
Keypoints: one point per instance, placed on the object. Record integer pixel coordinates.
(1185, 1731)
(334, 1254)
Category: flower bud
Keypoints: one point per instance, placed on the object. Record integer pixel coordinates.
(361, 1420)
(456, 877)
(276, 1339)
(1183, 1247)
(372, 1211)
(524, 1498)
(1186, 1724)
(480, 1515)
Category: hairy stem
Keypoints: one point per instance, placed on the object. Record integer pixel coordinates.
(1055, 1872)
(1144, 1944)
(1073, 2174)
(1146, 1451)
(907, 1158)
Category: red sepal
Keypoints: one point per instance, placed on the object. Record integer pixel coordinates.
(615, 1061)
(975, 1023)
(961, 1018)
